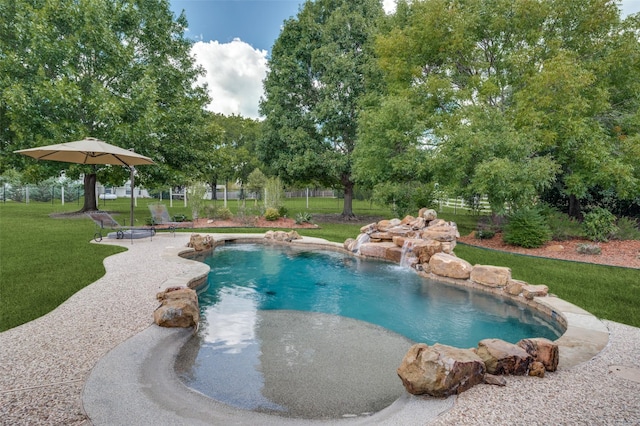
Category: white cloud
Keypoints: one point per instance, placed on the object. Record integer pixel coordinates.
(234, 74)
(389, 6)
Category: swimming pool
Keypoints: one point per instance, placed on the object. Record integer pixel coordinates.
(257, 296)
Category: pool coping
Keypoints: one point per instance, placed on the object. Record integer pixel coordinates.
(136, 380)
(584, 337)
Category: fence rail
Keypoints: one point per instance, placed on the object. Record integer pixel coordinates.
(482, 204)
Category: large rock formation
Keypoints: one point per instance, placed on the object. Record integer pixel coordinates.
(426, 243)
(440, 370)
(178, 308)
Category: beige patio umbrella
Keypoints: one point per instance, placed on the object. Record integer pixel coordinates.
(90, 151)
(87, 151)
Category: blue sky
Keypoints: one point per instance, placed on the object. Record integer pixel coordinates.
(256, 22)
(234, 39)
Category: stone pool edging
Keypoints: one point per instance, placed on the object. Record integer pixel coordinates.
(584, 336)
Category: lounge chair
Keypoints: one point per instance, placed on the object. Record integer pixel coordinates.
(104, 220)
(160, 216)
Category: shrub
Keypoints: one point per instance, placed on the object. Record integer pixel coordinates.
(179, 218)
(485, 234)
(562, 226)
(526, 228)
(599, 224)
(588, 249)
(271, 214)
(303, 217)
(214, 212)
(627, 229)
(224, 213)
(282, 211)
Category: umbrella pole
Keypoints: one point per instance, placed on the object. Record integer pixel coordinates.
(132, 200)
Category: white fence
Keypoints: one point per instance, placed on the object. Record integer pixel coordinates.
(459, 203)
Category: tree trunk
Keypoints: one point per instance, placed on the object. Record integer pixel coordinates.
(575, 209)
(213, 185)
(347, 209)
(89, 193)
(214, 189)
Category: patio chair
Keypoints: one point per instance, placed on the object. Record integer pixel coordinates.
(105, 220)
(160, 216)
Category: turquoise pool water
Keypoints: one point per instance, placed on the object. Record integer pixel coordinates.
(385, 294)
(228, 359)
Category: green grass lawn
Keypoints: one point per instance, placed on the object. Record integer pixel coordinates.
(606, 291)
(43, 261)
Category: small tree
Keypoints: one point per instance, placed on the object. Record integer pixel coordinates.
(196, 194)
(273, 193)
(256, 181)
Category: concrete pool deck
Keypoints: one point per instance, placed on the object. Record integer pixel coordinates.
(52, 367)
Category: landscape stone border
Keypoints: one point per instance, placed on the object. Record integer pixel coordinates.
(584, 336)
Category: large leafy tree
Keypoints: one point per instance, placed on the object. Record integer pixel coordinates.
(118, 70)
(321, 68)
(519, 97)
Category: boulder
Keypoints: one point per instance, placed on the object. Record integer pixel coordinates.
(418, 223)
(377, 250)
(407, 220)
(447, 247)
(178, 308)
(172, 293)
(401, 230)
(502, 357)
(399, 240)
(394, 254)
(444, 234)
(372, 227)
(531, 291)
(448, 265)
(282, 236)
(349, 244)
(441, 230)
(200, 242)
(440, 370)
(514, 287)
(491, 276)
(428, 214)
(437, 222)
(542, 350)
(381, 236)
(385, 224)
(424, 249)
